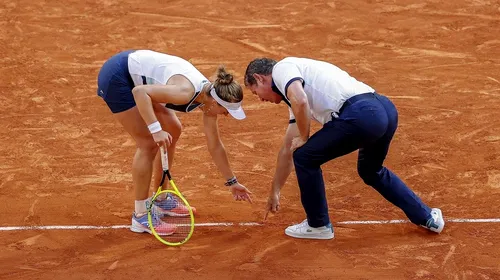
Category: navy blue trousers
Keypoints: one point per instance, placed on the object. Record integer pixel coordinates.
(368, 123)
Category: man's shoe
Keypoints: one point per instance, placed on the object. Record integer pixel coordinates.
(303, 230)
(436, 222)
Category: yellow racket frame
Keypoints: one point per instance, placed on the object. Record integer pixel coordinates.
(173, 191)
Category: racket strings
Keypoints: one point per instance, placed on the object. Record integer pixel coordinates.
(160, 227)
(182, 228)
(174, 214)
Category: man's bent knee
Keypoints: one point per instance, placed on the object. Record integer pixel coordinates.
(300, 158)
(368, 175)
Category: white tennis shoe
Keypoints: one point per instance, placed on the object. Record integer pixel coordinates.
(303, 230)
(436, 222)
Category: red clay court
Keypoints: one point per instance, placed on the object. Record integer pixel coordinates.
(66, 162)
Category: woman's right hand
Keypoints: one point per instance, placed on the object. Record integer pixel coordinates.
(162, 139)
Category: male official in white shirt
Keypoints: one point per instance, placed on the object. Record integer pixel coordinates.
(353, 116)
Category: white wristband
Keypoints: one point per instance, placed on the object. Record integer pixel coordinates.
(154, 127)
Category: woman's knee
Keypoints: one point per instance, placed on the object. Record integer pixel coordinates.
(175, 130)
(147, 146)
(169, 122)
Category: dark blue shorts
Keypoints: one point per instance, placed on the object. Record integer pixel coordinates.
(114, 83)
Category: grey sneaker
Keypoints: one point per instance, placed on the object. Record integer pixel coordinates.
(303, 230)
(436, 222)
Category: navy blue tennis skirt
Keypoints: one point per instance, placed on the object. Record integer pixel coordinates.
(114, 83)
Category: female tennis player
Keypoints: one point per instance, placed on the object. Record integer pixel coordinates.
(143, 88)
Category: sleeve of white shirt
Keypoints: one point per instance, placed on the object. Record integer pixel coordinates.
(284, 73)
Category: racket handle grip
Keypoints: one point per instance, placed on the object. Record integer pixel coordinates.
(164, 158)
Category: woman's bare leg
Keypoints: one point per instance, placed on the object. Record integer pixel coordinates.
(142, 165)
(171, 124)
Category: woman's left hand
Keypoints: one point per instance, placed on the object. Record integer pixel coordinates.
(241, 193)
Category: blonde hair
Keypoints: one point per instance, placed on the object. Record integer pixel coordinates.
(226, 87)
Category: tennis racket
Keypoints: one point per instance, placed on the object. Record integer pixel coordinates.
(170, 217)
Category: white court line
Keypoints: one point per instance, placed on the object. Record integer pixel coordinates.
(250, 224)
(16, 228)
(406, 221)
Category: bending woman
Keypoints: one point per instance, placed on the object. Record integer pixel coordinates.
(142, 89)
